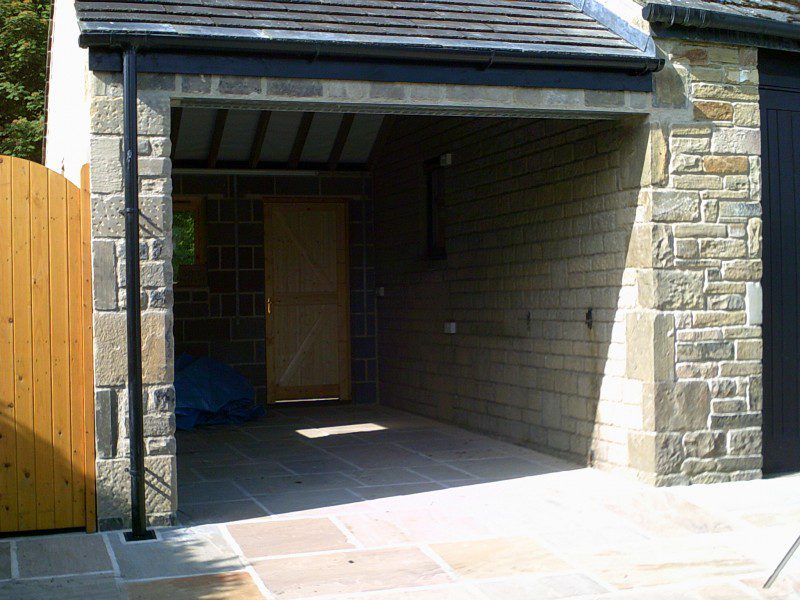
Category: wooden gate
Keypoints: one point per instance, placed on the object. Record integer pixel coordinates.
(46, 376)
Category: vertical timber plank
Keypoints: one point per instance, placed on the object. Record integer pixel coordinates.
(76, 368)
(23, 350)
(88, 354)
(40, 314)
(60, 351)
(8, 443)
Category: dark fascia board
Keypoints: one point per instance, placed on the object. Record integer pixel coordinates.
(251, 65)
(669, 20)
(154, 37)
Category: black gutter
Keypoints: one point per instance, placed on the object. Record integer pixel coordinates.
(133, 301)
(668, 15)
(313, 50)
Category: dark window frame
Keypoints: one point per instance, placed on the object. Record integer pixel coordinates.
(196, 274)
(435, 180)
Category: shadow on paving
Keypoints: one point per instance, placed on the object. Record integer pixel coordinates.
(181, 563)
(303, 458)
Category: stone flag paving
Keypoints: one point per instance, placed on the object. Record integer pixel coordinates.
(379, 504)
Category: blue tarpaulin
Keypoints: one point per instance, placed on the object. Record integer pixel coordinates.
(208, 392)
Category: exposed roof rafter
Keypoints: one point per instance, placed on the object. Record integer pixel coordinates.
(216, 136)
(300, 139)
(380, 139)
(258, 139)
(341, 139)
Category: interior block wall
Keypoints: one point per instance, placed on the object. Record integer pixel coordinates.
(226, 319)
(538, 222)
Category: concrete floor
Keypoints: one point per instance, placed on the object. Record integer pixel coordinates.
(371, 503)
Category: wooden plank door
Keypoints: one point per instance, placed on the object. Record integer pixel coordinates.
(46, 380)
(780, 127)
(307, 292)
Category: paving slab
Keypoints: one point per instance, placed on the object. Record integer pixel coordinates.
(84, 587)
(500, 557)
(501, 467)
(209, 491)
(295, 483)
(455, 591)
(348, 572)
(380, 456)
(62, 555)
(547, 587)
(372, 530)
(242, 470)
(440, 472)
(220, 512)
(294, 536)
(666, 561)
(221, 586)
(386, 476)
(394, 491)
(307, 500)
(319, 465)
(193, 551)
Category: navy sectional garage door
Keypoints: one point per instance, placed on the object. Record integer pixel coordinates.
(780, 124)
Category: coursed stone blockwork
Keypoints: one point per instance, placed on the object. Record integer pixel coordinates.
(698, 289)
(539, 217)
(108, 248)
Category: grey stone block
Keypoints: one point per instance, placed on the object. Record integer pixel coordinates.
(242, 86)
(106, 425)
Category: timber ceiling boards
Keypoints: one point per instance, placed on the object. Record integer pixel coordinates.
(291, 140)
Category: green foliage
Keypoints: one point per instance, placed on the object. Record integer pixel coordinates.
(23, 44)
(183, 237)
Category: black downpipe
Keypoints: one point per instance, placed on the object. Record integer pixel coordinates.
(130, 138)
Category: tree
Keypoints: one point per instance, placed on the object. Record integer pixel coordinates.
(23, 43)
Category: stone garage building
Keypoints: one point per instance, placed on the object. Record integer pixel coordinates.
(540, 220)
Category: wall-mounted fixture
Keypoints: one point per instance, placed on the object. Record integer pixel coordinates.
(450, 327)
(589, 318)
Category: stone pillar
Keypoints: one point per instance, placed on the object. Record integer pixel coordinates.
(108, 257)
(692, 342)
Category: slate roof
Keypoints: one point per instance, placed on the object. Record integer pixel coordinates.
(523, 26)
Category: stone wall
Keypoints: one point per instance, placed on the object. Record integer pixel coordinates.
(225, 318)
(539, 216)
(108, 252)
(698, 290)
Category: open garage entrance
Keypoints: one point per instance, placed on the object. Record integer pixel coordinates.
(470, 270)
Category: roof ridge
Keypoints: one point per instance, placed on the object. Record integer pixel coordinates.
(616, 24)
